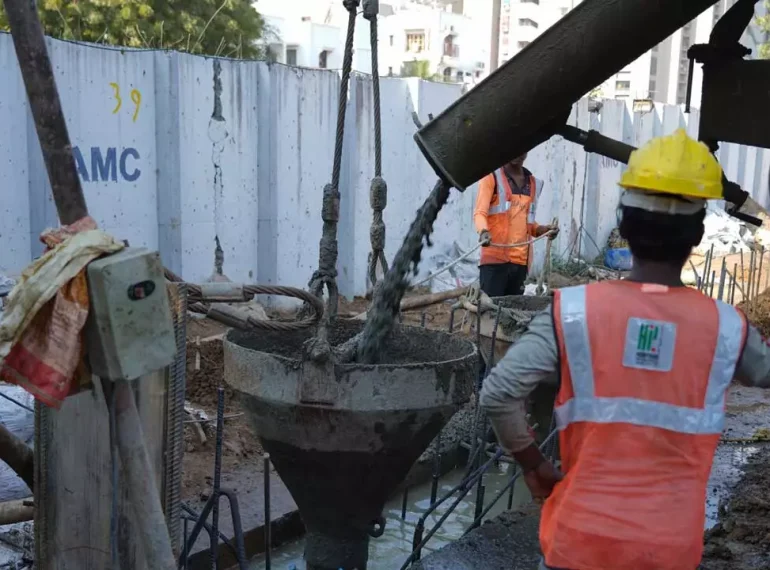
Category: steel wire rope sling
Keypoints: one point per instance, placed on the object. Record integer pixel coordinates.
(378, 189)
(326, 274)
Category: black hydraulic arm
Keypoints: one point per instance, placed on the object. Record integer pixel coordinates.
(593, 141)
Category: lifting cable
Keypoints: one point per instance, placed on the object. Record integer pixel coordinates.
(378, 190)
(326, 274)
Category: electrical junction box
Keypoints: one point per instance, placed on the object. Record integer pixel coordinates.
(130, 332)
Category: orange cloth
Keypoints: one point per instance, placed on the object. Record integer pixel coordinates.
(508, 216)
(644, 375)
(46, 356)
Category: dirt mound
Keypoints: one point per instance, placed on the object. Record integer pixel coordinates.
(758, 312)
(205, 373)
(741, 539)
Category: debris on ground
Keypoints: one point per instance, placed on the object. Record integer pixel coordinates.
(725, 233)
(741, 539)
(461, 274)
(6, 286)
(616, 241)
(205, 373)
(17, 546)
(575, 271)
(758, 312)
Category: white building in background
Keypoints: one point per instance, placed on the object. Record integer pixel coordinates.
(434, 40)
(521, 21)
(431, 38)
(662, 73)
(311, 33)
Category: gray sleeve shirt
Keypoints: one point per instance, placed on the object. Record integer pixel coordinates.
(534, 358)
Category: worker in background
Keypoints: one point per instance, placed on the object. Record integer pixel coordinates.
(643, 366)
(505, 214)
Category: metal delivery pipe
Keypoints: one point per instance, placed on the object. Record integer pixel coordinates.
(529, 98)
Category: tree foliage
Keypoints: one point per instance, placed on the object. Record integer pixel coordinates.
(763, 23)
(213, 27)
(417, 68)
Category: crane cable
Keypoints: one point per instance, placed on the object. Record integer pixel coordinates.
(326, 274)
(378, 190)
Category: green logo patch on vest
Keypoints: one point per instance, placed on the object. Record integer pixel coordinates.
(649, 345)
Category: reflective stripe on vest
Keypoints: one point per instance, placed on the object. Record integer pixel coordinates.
(586, 407)
(503, 204)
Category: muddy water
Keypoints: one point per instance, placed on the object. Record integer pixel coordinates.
(21, 423)
(15, 539)
(390, 550)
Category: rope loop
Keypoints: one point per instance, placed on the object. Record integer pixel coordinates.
(326, 279)
(351, 5)
(371, 9)
(197, 304)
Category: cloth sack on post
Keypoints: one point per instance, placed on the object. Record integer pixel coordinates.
(41, 331)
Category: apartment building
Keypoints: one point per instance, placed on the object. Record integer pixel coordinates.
(433, 40)
(662, 73)
(426, 38)
(311, 33)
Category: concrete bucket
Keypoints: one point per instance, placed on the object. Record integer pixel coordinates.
(343, 436)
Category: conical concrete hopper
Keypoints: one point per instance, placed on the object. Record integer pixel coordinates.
(342, 437)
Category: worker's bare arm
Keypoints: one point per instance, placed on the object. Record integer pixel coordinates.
(531, 360)
(754, 367)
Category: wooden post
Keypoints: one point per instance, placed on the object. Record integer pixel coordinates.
(73, 489)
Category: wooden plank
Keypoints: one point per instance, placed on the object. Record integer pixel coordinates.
(73, 498)
(73, 485)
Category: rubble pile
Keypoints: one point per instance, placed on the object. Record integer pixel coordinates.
(725, 233)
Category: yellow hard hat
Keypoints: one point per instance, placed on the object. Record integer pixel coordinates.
(675, 164)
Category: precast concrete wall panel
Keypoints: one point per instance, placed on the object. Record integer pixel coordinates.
(218, 181)
(177, 151)
(304, 105)
(15, 232)
(108, 98)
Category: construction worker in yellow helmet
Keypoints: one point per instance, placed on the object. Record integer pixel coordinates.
(642, 367)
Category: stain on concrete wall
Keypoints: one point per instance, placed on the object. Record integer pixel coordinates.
(175, 151)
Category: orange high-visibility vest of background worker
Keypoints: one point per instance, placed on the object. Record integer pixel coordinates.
(505, 214)
(643, 367)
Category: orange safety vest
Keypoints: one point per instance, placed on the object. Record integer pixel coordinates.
(508, 223)
(640, 409)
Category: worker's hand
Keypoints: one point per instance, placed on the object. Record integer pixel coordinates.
(485, 238)
(541, 480)
(554, 231)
